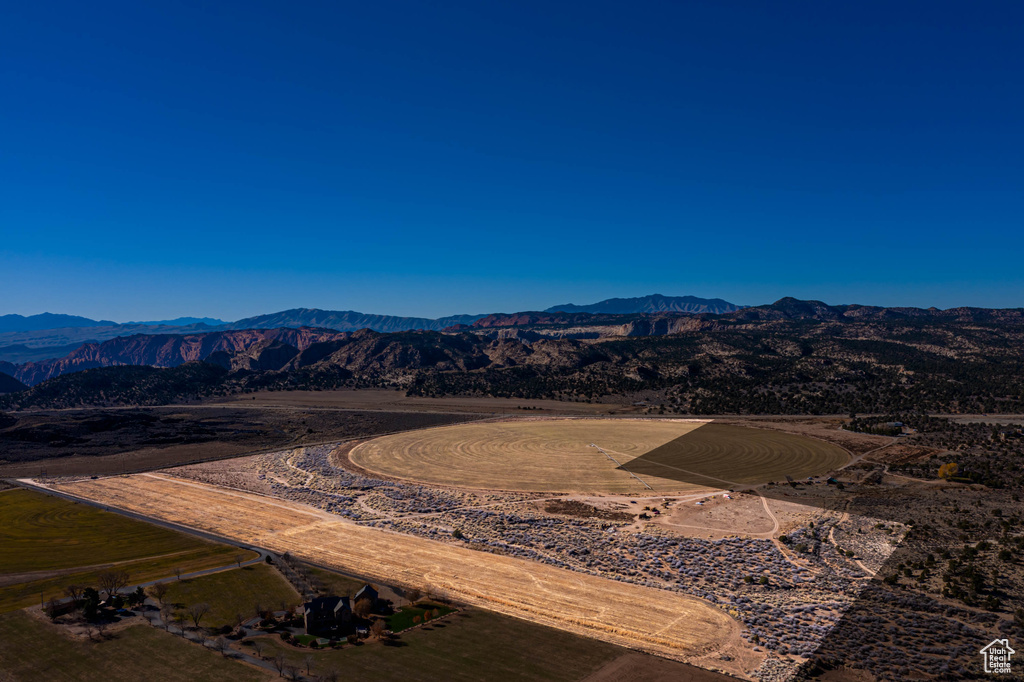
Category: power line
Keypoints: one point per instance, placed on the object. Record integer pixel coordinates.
(622, 467)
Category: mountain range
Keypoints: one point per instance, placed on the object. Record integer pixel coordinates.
(655, 303)
(43, 321)
(348, 321)
(788, 357)
(53, 336)
(184, 321)
(21, 323)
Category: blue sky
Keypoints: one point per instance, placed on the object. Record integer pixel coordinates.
(230, 159)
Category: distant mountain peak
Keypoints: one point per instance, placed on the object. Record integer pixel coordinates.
(183, 322)
(654, 303)
(348, 320)
(21, 323)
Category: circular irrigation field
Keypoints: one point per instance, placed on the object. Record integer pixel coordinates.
(631, 455)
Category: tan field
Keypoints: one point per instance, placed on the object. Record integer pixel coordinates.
(644, 618)
(555, 455)
(541, 455)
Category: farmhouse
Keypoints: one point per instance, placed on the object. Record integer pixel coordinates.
(324, 614)
(367, 592)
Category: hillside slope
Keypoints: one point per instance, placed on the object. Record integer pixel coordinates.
(163, 350)
(9, 384)
(123, 386)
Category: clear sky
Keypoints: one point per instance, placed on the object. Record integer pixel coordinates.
(235, 158)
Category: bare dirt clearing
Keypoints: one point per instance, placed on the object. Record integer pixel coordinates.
(650, 619)
(719, 516)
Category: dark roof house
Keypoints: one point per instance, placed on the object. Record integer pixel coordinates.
(324, 614)
(366, 592)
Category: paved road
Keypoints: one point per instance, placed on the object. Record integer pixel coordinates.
(263, 554)
(128, 589)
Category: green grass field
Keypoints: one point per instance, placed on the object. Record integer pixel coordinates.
(470, 645)
(49, 543)
(31, 650)
(233, 592)
(405, 617)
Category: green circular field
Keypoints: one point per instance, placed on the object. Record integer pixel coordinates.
(559, 455)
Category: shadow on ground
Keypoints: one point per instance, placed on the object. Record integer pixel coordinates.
(934, 603)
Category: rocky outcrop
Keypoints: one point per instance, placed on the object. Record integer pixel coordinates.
(270, 355)
(530, 319)
(171, 350)
(376, 355)
(663, 326)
